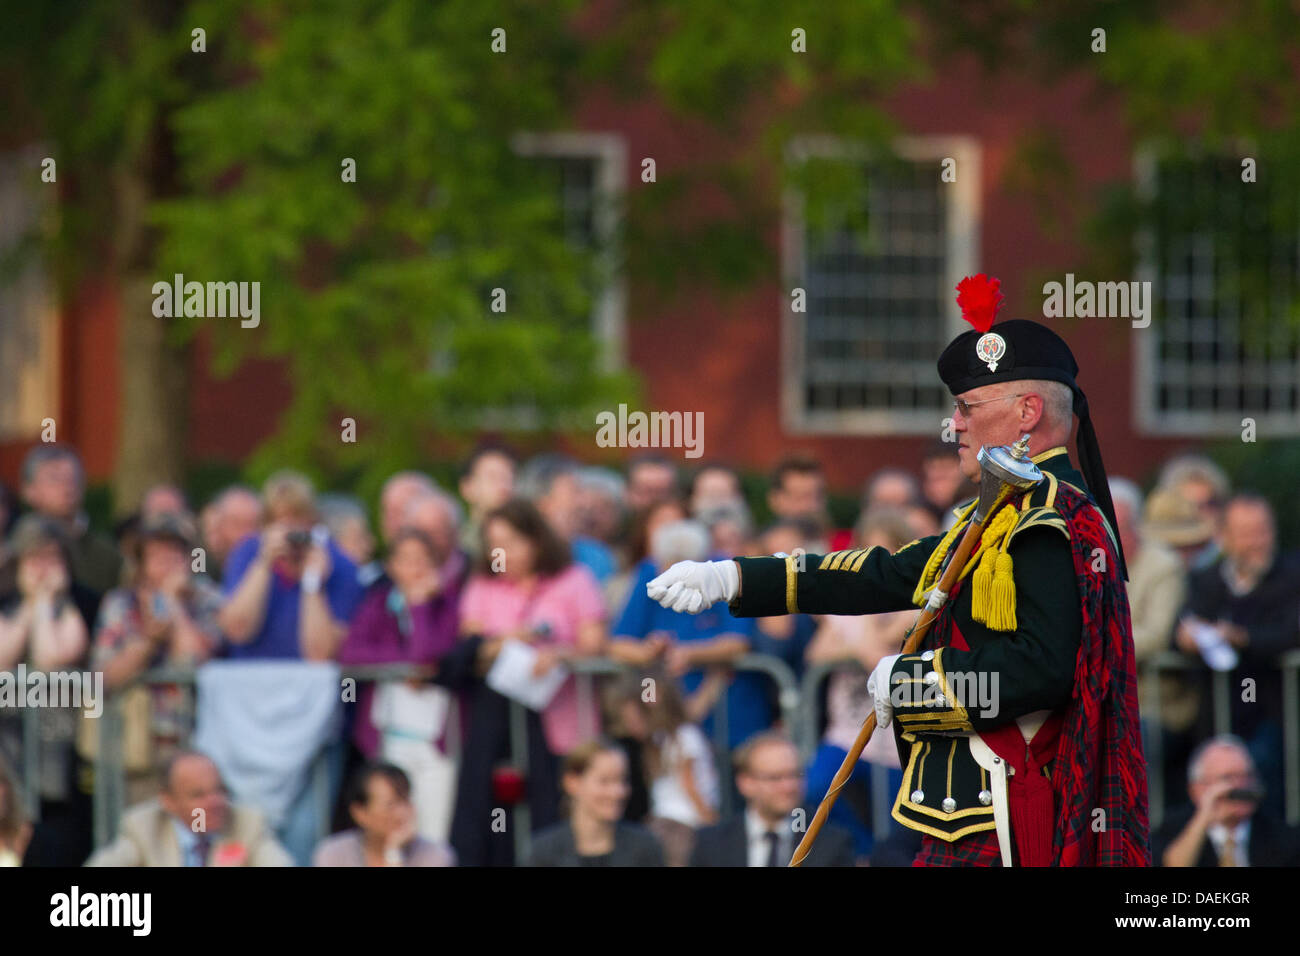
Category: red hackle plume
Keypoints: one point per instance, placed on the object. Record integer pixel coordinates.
(979, 299)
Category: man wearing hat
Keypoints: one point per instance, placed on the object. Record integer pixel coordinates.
(1017, 721)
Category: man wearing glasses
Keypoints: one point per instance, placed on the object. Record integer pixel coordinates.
(1225, 825)
(770, 779)
(1017, 721)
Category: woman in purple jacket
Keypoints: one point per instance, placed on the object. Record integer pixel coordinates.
(410, 617)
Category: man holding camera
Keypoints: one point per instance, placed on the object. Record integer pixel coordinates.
(1225, 825)
(290, 592)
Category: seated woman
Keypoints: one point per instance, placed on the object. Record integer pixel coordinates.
(595, 787)
(379, 801)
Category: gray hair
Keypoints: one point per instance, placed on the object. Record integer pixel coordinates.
(736, 512)
(336, 510)
(450, 504)
(44, 454)
(418, 477)
(1123, 491)
(1058, 400)
(680, 541)
(1184, 468)
(1197, 760)
(236, 491)
(541, 472)
(605, 481)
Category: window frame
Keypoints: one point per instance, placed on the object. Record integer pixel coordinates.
(1148, 418)
(609, 314)
(963, 252)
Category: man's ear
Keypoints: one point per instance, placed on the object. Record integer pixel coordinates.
(1032, 412)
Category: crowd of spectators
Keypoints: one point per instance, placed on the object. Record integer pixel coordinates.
(272, 597)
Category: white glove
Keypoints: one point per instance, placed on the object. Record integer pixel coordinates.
(878, 688)
(691, 586)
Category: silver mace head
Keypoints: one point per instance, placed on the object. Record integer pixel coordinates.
(1002, 469)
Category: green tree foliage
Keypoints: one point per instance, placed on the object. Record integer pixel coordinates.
(225, 165)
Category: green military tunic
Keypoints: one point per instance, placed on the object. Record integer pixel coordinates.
(1003, 675)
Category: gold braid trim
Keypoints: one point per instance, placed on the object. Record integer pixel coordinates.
(930, 574)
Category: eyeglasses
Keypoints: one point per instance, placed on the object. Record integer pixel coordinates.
(778, 777)
(963, 406)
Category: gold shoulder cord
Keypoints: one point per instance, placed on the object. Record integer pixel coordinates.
(993, 589)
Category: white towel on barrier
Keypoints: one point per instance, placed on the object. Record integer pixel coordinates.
(264, 723)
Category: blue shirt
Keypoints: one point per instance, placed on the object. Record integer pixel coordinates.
(790, 649)
(193, 852)
(597, 558)
(278, 635)
(748, 708)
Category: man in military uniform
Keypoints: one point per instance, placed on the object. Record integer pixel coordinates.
(1017, 721)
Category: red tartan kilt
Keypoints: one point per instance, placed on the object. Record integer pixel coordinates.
(978, 849)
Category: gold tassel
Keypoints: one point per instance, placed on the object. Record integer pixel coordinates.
(1002, 597)
(981, 584)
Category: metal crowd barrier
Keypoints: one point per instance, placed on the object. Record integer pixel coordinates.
(810, 734)
(1220, 701)
(109, 798)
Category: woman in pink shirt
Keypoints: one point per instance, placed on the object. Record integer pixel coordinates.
(526, 588)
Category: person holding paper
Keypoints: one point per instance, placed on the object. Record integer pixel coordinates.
(526, 590)
(1248, 601)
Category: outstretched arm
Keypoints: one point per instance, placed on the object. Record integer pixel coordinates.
(860, 581)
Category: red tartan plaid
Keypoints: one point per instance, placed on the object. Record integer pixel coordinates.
(977, 849)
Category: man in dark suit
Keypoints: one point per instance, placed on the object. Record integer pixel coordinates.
(1224, 826)
(770, 778)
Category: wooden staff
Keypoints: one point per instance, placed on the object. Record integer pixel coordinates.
(1002, 471)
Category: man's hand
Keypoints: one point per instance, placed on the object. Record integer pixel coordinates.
(878, 688)
(274, 543)
(1210, 808)
(692, 586)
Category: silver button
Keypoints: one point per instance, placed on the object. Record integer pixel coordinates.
(927, 656)
(918, 796)
(985, 798)
(932, 678)
(949, 804)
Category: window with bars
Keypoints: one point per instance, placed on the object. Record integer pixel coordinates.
(1223, 257)
(879, 275)
(587, 170)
